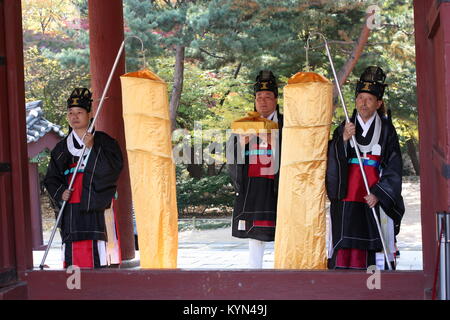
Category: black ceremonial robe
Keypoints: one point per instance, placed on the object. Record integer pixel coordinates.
(255, 205)
(85, 220)
(353, 224)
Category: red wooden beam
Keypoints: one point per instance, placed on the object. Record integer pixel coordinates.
(15, 240)
(48, 141)
(106, 35)
(433, 19)
(445, 12)
(425, 100)
(34, 148)
(229, 285)
(7, 255)
(37, 239)
(17, 133)
(432, 30)
(18, 291)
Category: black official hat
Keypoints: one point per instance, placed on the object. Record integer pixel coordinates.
(372, 81)
(266, 81)
(80, 97)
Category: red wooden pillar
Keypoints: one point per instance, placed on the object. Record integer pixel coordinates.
(7, 257)
(49, 142)
(35, 208)
(432, 24)
(106, 35)
(15, 240)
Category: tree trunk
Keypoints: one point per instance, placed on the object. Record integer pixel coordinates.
(221, 168)
(236, 73)
(177, 84)
(195, 168)
(211, 170)
(412, 152)
(353, 59)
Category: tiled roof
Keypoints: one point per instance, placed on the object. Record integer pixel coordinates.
(37, 125)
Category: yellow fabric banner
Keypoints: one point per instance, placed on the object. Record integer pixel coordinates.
(152, 171)
(300, 236)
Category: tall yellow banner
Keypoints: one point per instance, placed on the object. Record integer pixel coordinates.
(300, 238)
(152, 171)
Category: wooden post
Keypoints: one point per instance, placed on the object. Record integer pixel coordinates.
(106, 35)
(15, 93)
(35, 206)
(15, 241)
(432, 30)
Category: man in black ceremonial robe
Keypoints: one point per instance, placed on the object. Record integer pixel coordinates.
(255, 205)
(83, 228)
(356, 242)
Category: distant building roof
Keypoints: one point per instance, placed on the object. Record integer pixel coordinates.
(37, 125)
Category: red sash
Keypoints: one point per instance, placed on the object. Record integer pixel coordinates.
(260, 159)
(77, 185)
(356, 191)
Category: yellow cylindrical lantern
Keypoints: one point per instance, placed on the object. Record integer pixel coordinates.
(152, 171)
(300, 238)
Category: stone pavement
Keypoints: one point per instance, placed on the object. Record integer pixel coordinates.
(199, 250)
(217, 249)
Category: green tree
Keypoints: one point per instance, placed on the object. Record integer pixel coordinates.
(46, 16)
(49, 81)
(56, 53)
